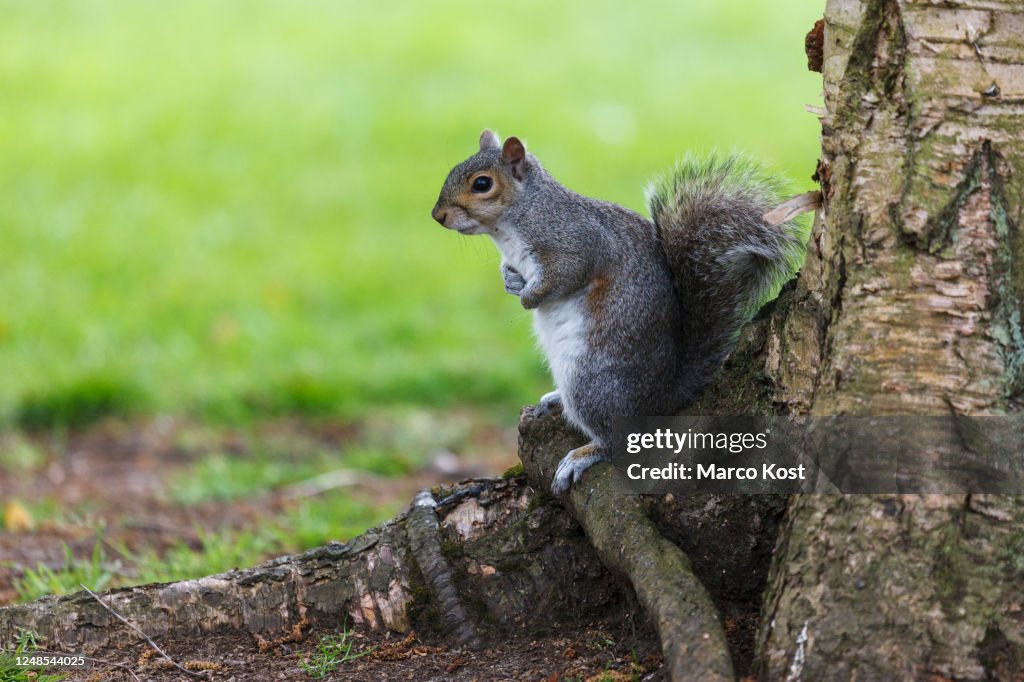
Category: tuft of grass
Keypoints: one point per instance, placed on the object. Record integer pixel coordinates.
(18, 453)
(219, 551)
(25, 644)
(332, 651)
(95, 573)
(322, 519)
(79, 403)
(297, 395)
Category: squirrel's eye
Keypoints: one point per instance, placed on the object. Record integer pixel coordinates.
(482, 184)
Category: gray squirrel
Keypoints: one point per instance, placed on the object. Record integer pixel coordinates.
(635, 315)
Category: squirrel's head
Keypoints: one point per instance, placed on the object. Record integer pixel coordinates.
(480, 189)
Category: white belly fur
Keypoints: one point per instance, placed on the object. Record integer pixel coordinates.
(561, 330)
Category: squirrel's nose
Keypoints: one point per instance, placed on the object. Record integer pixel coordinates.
(438, 214)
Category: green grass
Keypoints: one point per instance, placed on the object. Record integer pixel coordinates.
(228, 477)
(322, 519)
(223, 208)
(81, 402)
(390, 443)
(25, 645)
(311, 523)
(96, 573)
(332, 651)
(220, 551)
(334, 515)
(387, 444)
(18, 453)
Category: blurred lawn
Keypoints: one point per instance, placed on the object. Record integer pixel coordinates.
(223, 207)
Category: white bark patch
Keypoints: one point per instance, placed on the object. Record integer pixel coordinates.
(392, 605)
(796, 668)
(470, 519)
(386, 609)
(368, 610)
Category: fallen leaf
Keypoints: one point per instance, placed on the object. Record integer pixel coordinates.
(17, 518)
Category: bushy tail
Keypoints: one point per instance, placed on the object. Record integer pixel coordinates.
(726, 260)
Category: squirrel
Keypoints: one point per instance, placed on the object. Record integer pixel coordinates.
(635, 315)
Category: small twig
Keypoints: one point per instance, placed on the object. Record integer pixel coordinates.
(101, 661)
(817, 111)
(201, 675)
(339, 478)
(802, 203)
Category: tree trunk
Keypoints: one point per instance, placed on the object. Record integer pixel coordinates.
(910, 304)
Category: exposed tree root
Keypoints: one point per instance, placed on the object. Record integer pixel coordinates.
(688, 623)
(527, 566)
(423, 530)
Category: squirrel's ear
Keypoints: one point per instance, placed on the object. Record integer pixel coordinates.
(513, 155)
(489, 140)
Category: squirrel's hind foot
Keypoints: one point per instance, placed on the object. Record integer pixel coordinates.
(573, 465)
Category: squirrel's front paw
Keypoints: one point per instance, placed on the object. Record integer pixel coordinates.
(536, 292)
(549, 405)
(574, 464)
(514, 282)
(530, 299)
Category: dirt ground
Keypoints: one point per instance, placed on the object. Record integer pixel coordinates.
(607, 652)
